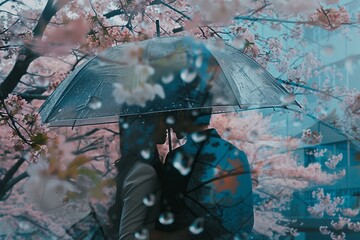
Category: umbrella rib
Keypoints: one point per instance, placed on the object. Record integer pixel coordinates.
(227, 79)
(67, 89)
(98, 85)
(272, 79)
(247, 76)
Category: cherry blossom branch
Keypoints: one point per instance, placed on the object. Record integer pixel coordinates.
(2, 3)
(270, 20)
(30, 97)
(172, 8)
(7, 29)
(15, 180)
(324, 123)
(22, 64)
(281, 20)
(13, 124)
(4, 187)
(309, 88)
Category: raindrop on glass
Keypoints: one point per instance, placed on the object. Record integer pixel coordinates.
(125, 125)
(197, 51)
(145, 153)
(216, 171)
(21, 57)
(323, 114)
(183, 165)
(143, 234)
(197, 226)
(166, 218)
(24, 225)
(324, 230)
(297, 123)
(149, 200)
(167, 79)
(170, 120)
(227, 133)
(287, 98)
(187, 75)
(195, 113)
(199, 61)
(254, 135)
(145, 25)
(94, 103)
(101, 63)
(328, 50)
(238, 42)
(198, 137)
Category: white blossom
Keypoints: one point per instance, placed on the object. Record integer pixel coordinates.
(44, 189)
(138, 95)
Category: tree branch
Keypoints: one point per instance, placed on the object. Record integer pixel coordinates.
(22, 64)
(4, 187)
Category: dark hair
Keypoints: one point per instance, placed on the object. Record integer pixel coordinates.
(136, 135)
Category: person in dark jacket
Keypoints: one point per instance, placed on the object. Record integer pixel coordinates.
(206, 183)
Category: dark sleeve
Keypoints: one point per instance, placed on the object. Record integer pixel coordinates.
(173, 190)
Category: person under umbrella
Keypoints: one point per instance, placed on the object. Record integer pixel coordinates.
(136, 206)
(137, 180)
(206, 182)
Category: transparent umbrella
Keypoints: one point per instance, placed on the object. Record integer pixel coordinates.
(166, 74)
(163, 75)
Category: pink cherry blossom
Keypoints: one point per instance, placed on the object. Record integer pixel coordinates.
(331, 18)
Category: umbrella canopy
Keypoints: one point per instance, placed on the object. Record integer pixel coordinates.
(166, 74)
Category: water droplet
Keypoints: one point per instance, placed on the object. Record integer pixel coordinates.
(227, 133)
(187, 75)
(24, 225)
(145, 25)
(143, 234)
(238, 42)
(166, 218)
(287, 98)
(167, 79)
(149, 200)
(145, 153)
(199, 61)
(297, 123)
(21, 57)
(216, 171)
(197, 51)
(125, 125)
(328, 50)
(94, 103)
(183, 165)
(324, 230)
(101, 63)
(221, 100)
(254, 135)
(197, 226)
(170, 120)
(198, 137)
(294, 232)
(195, 113)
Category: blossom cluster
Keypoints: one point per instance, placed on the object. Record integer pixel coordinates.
(331, 18)
(22, 125)
(310, 137)
(334, 160)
